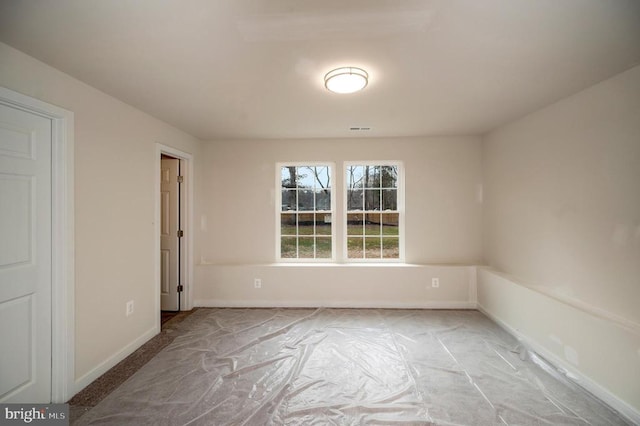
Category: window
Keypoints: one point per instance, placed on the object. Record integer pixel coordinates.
(372, 212)
(305, 212)
(373, 220)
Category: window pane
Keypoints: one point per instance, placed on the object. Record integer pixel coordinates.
(355, 199)
(322, 177)
(323, 247)
(285, 179)
(305, 229)
(372, 176)
(354, 177)
(355, 223)
(372, 199)
(389, 199)
(288, 247)
(289, 199)
(323, 224)
(389, 230)
(305, 200)
(323, 199)
(373, 248)
(305, 247)
(373, 224)
(305, 177)
(391, 219)
(389, 176)
(291, 177)
(305, 223)
(288, 224)
(355, 248)
(390, 248)
(305, 218)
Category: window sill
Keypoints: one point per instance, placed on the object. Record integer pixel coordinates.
(336, 264)
(343, 264)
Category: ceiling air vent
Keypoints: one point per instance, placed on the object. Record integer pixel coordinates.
(359, 129)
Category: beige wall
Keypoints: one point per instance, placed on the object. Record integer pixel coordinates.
(562, 217)
(114, 208)
(443, 218)
(562, 196)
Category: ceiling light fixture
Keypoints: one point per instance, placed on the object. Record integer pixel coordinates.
(346, 80)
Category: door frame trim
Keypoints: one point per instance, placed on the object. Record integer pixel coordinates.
(62, 239)
(186, 301)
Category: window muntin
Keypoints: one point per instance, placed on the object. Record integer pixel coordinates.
(373, 215)
(305, 212)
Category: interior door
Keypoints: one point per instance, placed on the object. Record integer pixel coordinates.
(169, 239)
(25, 256)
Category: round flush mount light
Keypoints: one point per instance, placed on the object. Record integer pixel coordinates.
(346, 80)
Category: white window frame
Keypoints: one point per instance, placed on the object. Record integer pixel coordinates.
(278, 198)
(400, 211)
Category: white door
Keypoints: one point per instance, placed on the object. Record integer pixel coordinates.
(169, 240)
(25, 257)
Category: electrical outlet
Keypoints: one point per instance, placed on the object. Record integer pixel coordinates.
(257, 283)
(435, 282)
(129, 310)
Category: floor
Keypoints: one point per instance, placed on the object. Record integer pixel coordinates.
(90, 396)
(344, 367)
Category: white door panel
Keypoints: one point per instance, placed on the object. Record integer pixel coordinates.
(169, 241)
(16, 321)
(16, 220)
(25, 256)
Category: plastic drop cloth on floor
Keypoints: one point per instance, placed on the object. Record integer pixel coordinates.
(345, 367)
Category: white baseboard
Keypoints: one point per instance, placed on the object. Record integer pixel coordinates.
(223, 303)
(624, 409)
(104, 366)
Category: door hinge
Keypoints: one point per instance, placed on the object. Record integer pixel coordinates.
(180, 288)
(180, 233)
(180, 179)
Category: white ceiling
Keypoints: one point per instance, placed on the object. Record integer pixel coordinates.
(226, 69)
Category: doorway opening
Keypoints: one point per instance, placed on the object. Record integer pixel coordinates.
(173, 242)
